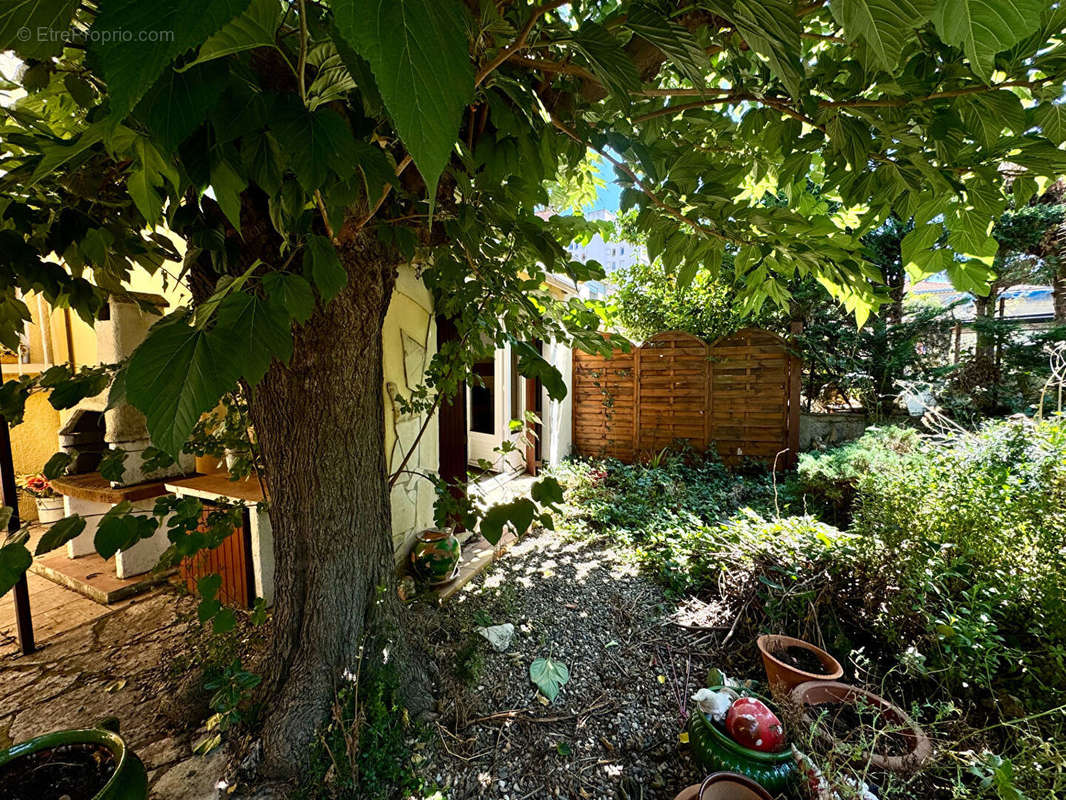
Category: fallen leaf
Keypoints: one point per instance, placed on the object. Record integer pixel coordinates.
(683, 737)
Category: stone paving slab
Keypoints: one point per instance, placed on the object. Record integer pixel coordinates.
(119, 664)
(55, 609)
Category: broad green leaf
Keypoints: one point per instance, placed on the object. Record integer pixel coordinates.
(518, 513)
(113, 465)
(227, 185)
(607, 59)
(885, 25)
(532, 364)
(419, 53)
(226, 286)
(262, 161)
(55, 156)
(324, 267)
(292, 293)
(1051, 117)
(549, 676)
(120, 530)
(256, 329)
(316, 143)
(15, 559)
(987, 115)
(178, 102)
(256, 27)
(56, 466)
(22, 23)
(59, 534)
(675, 41)
(177, 374)
(772, 29)
(983, 28)
(161, 30)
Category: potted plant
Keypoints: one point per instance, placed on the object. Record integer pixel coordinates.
(49, 501)
(94, 764)
(863, 725)
(789, 662)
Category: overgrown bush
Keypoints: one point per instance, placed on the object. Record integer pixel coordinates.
(976, 524)
(826, 482)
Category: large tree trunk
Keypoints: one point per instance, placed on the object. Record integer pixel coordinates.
(320, 421)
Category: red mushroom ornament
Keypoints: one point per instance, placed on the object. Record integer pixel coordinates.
(751, 724)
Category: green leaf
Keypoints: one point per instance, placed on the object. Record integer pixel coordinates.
(55, 156)
(254, 28)
(315, 144)
(15, 559)
(177, 374)
(518, 513)
(178, 102)
(675, 41)
(159, 31)
(20, 17)
(885, 25)
(1051, 117)
(256, 329)
(224, 621)
(227, 185)
(13, 396)
(987, 115)
(549, 676)
(113, 465)
(262, 161)
(323, 265)
(419, 53)
(983, 28)
(607, 59)
(292, 293)
(56, 466)
(120, 530)
(226, 286)
(532, 364)
(772, 29)
(59, 534)
(209, 585)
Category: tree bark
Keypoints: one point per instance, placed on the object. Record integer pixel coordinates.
(320, 423)
(1058, 279)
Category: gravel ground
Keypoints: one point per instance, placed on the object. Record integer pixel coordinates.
(614, 726)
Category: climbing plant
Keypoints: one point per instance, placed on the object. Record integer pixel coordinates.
(298, 153)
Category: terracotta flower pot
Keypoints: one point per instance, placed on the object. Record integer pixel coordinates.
(783, 678)
(725, 786)
(824, 693)
(435, 556)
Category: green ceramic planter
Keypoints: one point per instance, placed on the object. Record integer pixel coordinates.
(128, 781)
(716, 752)
(435, 556)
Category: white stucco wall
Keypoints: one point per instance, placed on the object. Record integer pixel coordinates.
(558, 414)
(409, 338)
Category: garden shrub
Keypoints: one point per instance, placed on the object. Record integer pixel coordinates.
(973, 527)
(826, 481)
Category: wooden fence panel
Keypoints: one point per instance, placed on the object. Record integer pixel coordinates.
(739, 395)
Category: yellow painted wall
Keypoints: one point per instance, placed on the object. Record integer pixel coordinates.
(409, 340)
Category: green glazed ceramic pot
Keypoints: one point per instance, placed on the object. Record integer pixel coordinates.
(435, 556)
(718, 753)
(128, 781)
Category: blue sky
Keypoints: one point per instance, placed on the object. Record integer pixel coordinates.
(609, 195)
